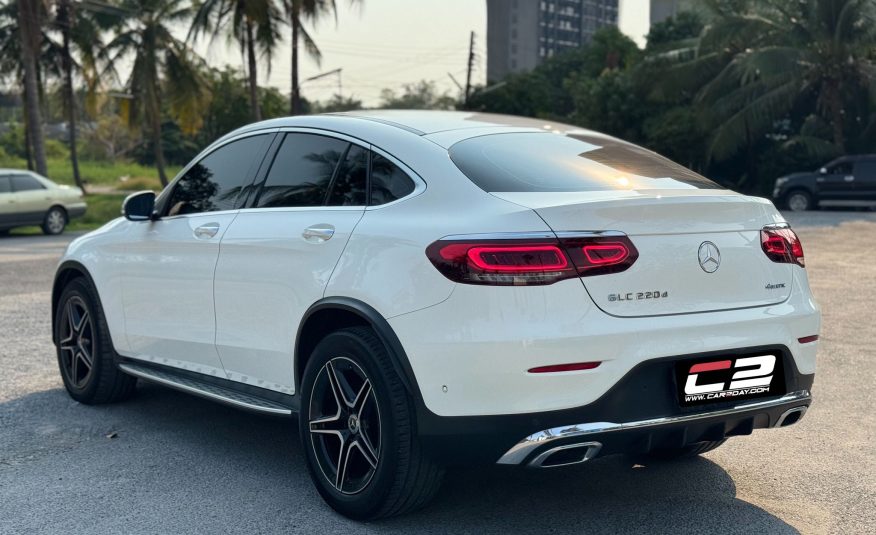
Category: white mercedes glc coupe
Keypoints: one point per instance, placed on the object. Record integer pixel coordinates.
(424, 289)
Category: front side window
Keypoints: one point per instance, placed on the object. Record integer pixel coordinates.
(302, 171)
(842, 168)
(388, 181)
(25, 183)
(214, 183)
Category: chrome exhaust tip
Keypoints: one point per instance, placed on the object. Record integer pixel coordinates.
(790, 416)
(566, 455)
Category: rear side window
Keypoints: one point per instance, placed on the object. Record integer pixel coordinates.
(545, 162)
(302, 171)
(866, 170)
(214, 183)
(5, 187)
(25, 183)
(388, 181)
(350, 183)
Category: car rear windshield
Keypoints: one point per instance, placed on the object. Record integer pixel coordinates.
(546, 162)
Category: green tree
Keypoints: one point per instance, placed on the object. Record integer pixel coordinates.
(682, 27)
(253, 24)
(422, 95)
(163, 67)
(780, 59)
(337, 103)
(299, 12)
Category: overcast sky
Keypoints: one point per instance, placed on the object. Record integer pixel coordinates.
(387, 43)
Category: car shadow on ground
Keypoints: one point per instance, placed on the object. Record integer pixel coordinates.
(184, 464)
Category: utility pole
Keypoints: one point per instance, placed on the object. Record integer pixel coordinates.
(471, 59)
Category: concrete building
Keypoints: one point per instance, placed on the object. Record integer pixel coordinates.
(522, 33)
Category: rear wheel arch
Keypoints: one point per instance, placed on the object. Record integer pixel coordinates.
(333, 313)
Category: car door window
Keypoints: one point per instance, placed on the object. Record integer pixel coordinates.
(388, 181)
(25, 183)
(214, 183)
(842, 168)
(5, 186)
(866, 170)
(351, 180)
(302, 171)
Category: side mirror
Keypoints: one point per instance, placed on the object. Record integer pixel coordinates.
(139, 206)
(823, 170)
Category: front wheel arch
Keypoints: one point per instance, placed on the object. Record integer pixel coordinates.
(334, 313)
(65, 273)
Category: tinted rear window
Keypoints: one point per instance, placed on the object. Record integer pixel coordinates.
(544, 162)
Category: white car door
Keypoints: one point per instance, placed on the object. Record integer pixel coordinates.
(7, 203)
(278, 254)
(32, 198)
(167, 281)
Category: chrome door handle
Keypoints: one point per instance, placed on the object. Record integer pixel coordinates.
(849, 178)
(205, 232)
(318, 233)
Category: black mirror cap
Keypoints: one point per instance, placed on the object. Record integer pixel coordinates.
(139, 206)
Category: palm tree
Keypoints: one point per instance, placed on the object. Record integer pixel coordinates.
(163, 66)
(298, 12)
(79, 29)
(778, 58)
(253, 24)
(30, 14)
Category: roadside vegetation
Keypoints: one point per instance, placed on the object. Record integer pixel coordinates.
(112, 97)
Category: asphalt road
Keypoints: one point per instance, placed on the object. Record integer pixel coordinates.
(180, 464)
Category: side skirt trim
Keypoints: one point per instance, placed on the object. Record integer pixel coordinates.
(194, 385)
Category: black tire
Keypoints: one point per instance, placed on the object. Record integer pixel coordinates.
(102, 381)
(691, 450)
(55, 221)
(404, 479)
(799, 200)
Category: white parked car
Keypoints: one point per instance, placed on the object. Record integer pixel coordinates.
(27, 198)
(429, 288)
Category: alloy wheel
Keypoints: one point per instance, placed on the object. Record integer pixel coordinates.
(344, 425)
(77, 342)
(55, 221)
(798, 202)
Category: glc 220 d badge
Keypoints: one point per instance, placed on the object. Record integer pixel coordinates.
(724, 380)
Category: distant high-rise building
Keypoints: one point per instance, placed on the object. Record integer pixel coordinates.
(663, 9)
(522, 33)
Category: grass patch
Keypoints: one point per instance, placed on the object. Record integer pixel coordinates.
(102, 207)
(118, 175)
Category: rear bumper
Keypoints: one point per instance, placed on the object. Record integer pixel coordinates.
(600, 438)
(637, 415)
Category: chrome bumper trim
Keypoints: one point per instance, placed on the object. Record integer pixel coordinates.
(520, 451)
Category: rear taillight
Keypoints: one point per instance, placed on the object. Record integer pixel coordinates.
(514, 261)
(781, 244)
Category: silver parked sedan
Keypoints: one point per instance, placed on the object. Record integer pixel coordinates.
(27, 198)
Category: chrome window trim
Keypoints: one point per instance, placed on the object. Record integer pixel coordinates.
(534, 235)
(520, 451)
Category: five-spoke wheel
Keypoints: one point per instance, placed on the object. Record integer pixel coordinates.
(358, 429)
(76, 342)
(344, 421)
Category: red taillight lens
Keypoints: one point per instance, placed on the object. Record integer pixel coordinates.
(516, 261)
(782, 245)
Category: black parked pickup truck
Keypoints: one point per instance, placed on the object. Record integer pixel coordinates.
(846, 181)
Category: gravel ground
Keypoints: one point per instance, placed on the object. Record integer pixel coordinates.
(179, 464)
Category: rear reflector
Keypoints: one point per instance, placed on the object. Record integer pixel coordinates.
(808, 339)
(515, 261)
(565, 367)
(782, 245)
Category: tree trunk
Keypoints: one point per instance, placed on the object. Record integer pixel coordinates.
(155, 131)
(29, 29)
(835, 103)
(28, 155)
(295, 101)
(65, 21)
(253, 73)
